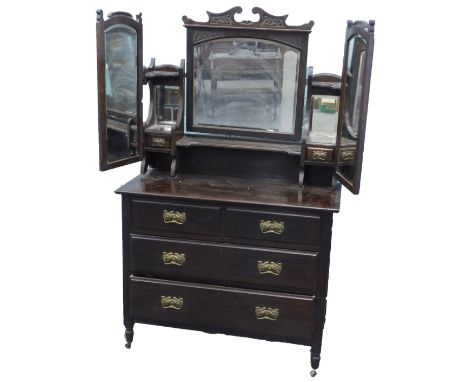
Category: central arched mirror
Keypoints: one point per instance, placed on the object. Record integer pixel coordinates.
(245, 80)
(245, 83)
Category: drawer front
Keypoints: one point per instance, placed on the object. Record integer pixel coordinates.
(244, 312)
(286, 271)
(273, 227)
(320, 154)
(173, 217)
(160, 141)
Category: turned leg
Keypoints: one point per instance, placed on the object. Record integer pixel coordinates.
(128, 336)
(316, 345)
(314, 362)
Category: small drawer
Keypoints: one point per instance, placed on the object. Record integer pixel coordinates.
(158, 141)
(286, 271)
(277, 228)
(275, 316)
(172, 217)
(320, 154)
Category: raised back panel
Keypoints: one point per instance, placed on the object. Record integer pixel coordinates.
(239, 163)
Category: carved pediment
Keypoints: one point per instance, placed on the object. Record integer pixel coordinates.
(265, 21)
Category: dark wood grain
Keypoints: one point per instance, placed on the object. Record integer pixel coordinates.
(322, 289)
(224, 264)
(204, 220)
(222, 309)
(326, 84)
(128, 320)
(267, 192)
(298, 229)
(190, 141)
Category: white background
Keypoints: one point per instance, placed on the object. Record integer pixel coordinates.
(398, 291)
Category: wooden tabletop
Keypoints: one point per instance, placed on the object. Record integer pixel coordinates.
(268, 192)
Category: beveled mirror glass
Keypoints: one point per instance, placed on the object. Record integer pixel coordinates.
(354, 79)
(121, 87)
(242, 83)
(355, 83)
(349, 135)
(119, 77)
(324, 119)
(355, 73)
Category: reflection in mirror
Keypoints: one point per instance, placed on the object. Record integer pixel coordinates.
(324, 119)
(121, 79)
(245, 83)
(166, 107)
(354, 85)
(356, 58)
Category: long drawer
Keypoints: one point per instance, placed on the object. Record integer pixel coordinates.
(252, 267)
(273, 316)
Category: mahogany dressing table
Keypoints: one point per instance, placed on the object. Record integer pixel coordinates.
(243, 153)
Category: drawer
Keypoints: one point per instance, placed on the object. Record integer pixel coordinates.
(173, 217)
(160, 141)
(277, 228)
(319, 154)
(274, 316)
(287, 271)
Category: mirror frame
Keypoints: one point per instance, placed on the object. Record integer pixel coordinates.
(269, 27)
(366, 31)
(117, 18)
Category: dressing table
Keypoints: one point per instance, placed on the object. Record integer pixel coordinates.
(243, 154)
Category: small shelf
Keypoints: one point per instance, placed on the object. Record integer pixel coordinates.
(160, 74)
(287, 148)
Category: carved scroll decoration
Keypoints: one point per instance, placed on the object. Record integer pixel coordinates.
(266, 20)
(203, 35)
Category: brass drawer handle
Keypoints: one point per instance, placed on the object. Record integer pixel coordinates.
(158, 142)
(269, 267)
(168, 302)
(347, 155)
(271, 226)
(173, 258)
(264, 313)
(319, 155)
(174, 217)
